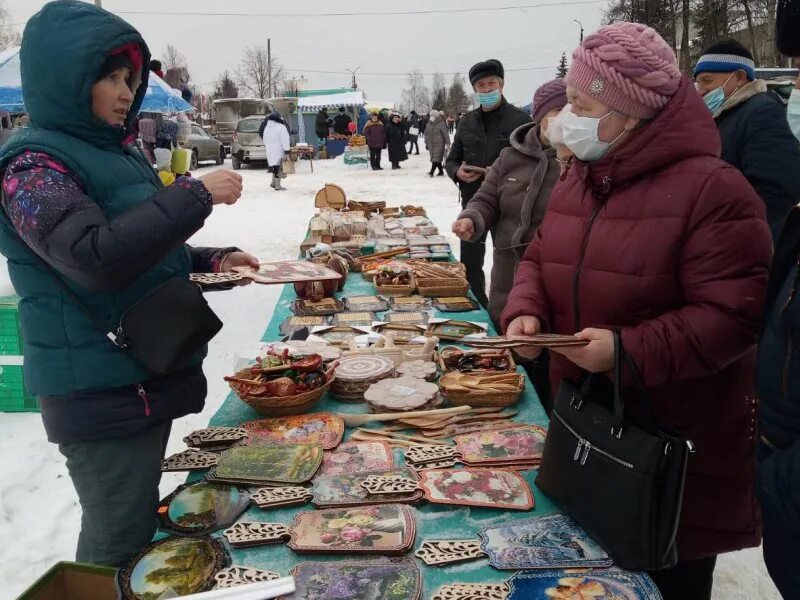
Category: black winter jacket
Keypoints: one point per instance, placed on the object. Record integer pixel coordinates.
(340, 123)
(322, 125)
(480, 138)
(756, 139)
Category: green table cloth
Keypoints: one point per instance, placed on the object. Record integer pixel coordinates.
(433, 521)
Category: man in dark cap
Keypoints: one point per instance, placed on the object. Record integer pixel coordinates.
(481, 135)
(341, 121)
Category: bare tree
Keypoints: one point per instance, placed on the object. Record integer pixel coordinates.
(686, 57)
(173, 58)
(415, 95)
(9, 35)
(254, 72)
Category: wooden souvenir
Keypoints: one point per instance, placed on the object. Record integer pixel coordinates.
(304, 348)
(248, 534)
(354, 420)
(324, 307)
(455, 331)
(418, 369)
(452, 358)
(363, 319)
(215, 437)
(199, 508)
(275, 497)
(356, 373)
(215, 278)
(401, 394)
(346, 489)
(408, 303)
(264, 465)
(289, 271)
(339, 336)
(436, 553)
(523, 443)
(483, 389)
(295, 323)
(390, 282)
(401, 333)
(235, 576)
(330, 196)
(472, 591)
(600, 584)
(407, 318)
(321, 429)
(366, 303)
(357, 457)
(176, 565)
(542, 340)
(358, 580)
(455, 304)
(189, 460)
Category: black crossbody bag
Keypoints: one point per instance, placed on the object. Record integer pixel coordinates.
(621, 479)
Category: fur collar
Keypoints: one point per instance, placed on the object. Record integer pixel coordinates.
(742, 95)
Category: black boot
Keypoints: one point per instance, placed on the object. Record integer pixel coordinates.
(433, 169)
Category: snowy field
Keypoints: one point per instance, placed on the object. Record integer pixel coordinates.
(39, 512)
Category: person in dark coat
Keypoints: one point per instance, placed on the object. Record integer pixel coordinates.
(341, 122)
(413, 132)
(82, 200)
(322, 125)
(437, 141)
(778, 480)
(375, 133)
(511, 204)
(155, 67)
(756, 138)
(483, 133)
(396, 138)
(653, 235)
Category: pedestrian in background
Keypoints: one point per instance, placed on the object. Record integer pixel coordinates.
(481, 136)
(437, 141)
(375, 133)
(756, 138)
(277, 144)
(413, 132)
(396, 138)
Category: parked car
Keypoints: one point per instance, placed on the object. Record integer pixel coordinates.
(226, 113)
(247, 145)
(205, 147)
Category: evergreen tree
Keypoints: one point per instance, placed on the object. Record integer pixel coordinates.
(561, 70)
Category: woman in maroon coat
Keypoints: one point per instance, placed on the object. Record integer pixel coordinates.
(376, 140)
(652, 234)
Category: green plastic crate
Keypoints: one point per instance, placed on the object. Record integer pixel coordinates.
(14, 396)
(10, 334)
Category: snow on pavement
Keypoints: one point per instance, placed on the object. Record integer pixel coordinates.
(39, 513)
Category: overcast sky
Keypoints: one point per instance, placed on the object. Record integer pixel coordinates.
(384, 47)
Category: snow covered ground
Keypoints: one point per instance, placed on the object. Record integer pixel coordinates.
(39, 513)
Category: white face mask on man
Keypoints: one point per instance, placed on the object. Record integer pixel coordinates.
(581, 135)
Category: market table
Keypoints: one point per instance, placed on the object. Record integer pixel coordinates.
(433, 521)
(296, 153)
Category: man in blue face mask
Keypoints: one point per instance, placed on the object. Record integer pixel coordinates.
(481, 135)
(756, 138)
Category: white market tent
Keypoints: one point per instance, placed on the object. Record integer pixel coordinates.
(347, 99)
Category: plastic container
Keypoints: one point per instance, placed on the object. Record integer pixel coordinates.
(14, 396)
(10, 334)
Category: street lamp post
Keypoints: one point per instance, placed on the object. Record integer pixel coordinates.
(581, 24)
(353, 73)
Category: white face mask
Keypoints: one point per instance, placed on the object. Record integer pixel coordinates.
(793, 112)
(581, 136)
(554, 130)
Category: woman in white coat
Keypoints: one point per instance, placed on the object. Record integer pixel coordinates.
(276, 141)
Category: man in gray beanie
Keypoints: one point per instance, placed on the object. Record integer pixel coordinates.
(481, 135)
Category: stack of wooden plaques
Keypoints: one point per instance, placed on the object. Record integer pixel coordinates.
(356, 373)
(439, 280)
(402, 395)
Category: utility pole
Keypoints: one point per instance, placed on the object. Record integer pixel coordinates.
(98, 3)
(581, 24)
(269, 67)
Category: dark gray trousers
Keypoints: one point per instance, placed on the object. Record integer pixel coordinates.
(117, 484)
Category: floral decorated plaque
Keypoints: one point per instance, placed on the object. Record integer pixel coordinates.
(346, 489)
(374, 529)
(492, 488)
(357, 457)
(321, 429)
(517, 444)
(351, 580)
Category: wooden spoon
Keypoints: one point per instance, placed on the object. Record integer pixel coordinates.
(358, 420)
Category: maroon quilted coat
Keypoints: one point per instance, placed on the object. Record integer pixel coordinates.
(665, 241)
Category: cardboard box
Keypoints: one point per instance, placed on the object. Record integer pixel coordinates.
(74, 581)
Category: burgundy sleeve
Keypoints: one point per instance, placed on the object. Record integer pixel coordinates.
(723, 272)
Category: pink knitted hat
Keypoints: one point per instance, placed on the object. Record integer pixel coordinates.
(628, 67)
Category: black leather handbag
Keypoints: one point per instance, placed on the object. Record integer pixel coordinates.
(620, 478)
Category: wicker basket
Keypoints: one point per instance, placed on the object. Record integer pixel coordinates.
(481, 398)
(395, 290)
(446, 352)
(445, 287)
(273, 406)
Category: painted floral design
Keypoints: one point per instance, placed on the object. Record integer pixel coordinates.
(321, 429)
(368, 529)
(477, 487)
(517, 443)
(349, 581)
(361, 526)
(345, 489)
(357, 457)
